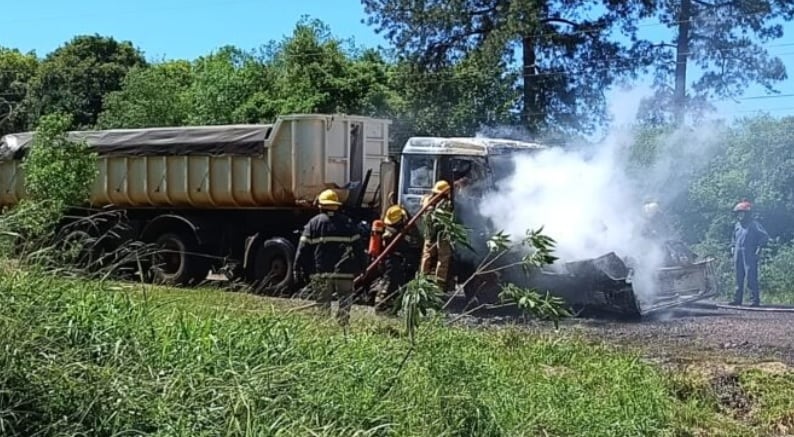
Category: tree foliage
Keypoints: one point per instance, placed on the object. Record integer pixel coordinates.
(150, 97)
(568, 55)
(223, 82)
(56, 168)
(758, 164)
(453, 100)
(76, 76)
(309, 71)
(316, 72)
(58, 174)
(16, 71)
(725, 41)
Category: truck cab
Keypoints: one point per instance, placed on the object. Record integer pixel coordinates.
(473, 165)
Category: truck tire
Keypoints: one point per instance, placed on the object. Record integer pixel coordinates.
(271, 271)
(78, 248)
(178, 265)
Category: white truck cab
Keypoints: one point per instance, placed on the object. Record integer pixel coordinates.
(480, 162)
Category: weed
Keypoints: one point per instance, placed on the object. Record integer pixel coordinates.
(85, 357)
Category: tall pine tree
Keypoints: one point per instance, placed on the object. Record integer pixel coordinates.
(566, 51)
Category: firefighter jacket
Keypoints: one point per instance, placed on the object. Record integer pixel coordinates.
(331, 246)
(406, 243)
(431, 228)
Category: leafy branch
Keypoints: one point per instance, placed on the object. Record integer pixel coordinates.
(544, 307)
(421, 295)
(449, 229)
(58, 175)
(538, 251)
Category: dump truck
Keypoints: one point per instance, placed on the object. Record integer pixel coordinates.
(233, 199)
(229, 198)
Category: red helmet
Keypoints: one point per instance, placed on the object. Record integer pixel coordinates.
(744, 205)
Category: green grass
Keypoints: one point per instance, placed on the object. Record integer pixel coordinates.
(79, 357)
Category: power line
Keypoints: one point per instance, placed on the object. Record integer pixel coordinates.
(774, 96)
(691, 20)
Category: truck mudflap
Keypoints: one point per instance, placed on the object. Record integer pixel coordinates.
(608, 284)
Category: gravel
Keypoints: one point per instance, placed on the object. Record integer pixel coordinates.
(692, 333)
(703, 330)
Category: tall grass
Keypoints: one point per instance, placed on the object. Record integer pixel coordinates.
(80, 358)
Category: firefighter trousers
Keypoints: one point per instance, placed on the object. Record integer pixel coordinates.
(396, 275)
(343, 288)
(746, 265)
(436, 258)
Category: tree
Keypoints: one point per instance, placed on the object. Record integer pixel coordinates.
(223, 84)
(758, 164)
(501, 254)
(76, 76)
(452, 100)
(58, 175)
(313, 71)
(724, 39)
(149, 97)
(309, 71)
(16, 71)
(567, 57)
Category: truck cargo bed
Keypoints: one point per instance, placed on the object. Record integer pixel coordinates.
(233, 166)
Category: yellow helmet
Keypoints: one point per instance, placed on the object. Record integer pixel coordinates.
(651, 209)
(328, 198)
(395, 214)
(440, 186)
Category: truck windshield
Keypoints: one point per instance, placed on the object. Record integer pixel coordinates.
(419, 173)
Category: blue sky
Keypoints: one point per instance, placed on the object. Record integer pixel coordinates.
(190, 28)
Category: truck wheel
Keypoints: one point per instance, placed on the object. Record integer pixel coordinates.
(272, 267)
(177, 264)
(78, 248)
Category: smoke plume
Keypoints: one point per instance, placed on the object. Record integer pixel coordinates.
(586, 198)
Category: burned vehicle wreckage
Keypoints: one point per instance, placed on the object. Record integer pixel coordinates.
(605, 284)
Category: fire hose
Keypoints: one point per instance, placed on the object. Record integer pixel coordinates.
(361, 279)
(769, 309)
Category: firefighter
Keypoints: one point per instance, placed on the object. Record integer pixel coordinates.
(656, 225)
(331, 245)
(748, 239)
(398, 265)
(437, 249)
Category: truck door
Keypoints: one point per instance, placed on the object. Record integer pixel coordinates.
(468, 174)
(471, 180)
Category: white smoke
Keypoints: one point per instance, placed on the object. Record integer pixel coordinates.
(587, 201)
